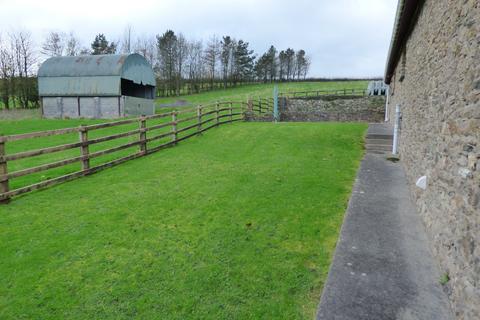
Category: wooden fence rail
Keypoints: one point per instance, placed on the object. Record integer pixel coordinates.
(193, 123)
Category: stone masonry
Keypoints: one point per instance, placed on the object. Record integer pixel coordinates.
(333, 108)
(437, 85)
(328, 108)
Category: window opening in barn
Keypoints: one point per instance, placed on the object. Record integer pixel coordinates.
(132, 89)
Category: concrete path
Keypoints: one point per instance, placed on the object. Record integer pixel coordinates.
(382, 267)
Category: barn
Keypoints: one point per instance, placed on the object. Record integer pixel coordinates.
(96, 86)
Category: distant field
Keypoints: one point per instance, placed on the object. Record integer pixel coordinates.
(261, 90)
(240, 93)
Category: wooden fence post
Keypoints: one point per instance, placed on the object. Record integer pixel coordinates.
(231, 112)
(199, 119)
(143, 134)
(83, 135)
(3, 172)
(174, 127)
(216, 114)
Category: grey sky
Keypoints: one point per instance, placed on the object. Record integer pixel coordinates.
(344, 38)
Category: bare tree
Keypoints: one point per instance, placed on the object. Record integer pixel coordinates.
(146, 46)
(182, 53)
(306, 66)
(195, 65)
(24, 56)
(212, 53)
(290, 63)
(54, 44)
(7, 71)
(126, 42)
(73, 45)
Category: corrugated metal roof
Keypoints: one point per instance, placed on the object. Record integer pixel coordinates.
(79, 86)
(92, 75)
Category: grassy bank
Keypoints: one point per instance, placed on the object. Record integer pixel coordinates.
(261, 90)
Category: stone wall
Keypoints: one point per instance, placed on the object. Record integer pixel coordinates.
(440, 138)
(334, 108)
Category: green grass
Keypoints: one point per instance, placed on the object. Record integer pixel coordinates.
(262, 90)
(239, 223)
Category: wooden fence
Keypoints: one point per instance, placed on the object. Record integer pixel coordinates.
(145, 137)
(261, 105)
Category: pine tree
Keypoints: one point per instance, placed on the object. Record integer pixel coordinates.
(272, 63)
(100, 45)
(225, 57)
(167, 45)
(244, 62)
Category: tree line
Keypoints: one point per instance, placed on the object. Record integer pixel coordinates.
(182, 66)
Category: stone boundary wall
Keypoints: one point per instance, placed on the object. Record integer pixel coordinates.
(327, 108)
(439, 97)
(333, 108)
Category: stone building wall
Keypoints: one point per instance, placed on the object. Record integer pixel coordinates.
(439, 97)
(334, 108)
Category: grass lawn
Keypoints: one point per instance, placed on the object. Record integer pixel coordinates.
(263, 91)
(240, 223)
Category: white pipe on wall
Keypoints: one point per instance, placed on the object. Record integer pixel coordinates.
(395, 129)
(387, 93)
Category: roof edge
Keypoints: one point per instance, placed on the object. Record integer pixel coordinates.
(405, 18)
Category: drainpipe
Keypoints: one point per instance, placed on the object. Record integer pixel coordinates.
(387, 93)
(395, 130)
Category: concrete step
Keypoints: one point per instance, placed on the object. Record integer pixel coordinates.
(378, 149)
(377, 152)
(379, 136)
(378, 146)
(379, 141)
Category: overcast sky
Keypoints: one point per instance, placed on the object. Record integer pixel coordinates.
(344, 38)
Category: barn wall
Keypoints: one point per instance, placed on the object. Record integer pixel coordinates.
(82, 107)
(138, 106)
(440, 138)
(70, 107)
(99, 107)
(50, 107)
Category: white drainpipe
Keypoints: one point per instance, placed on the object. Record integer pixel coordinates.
(387, 93)
(395, 129)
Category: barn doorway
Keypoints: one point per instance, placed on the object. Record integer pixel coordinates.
(132, 89)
